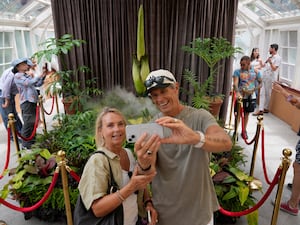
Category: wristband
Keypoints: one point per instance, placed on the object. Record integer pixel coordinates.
(202, 140)
(146, 169)
(146, 202)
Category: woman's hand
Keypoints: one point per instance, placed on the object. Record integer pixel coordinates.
(140, 181)
(181, 133)
(145, 149)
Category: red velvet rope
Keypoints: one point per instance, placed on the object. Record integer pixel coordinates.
(259, 204)
(52, 107)
(35, 126)
(39, 203)
(74, 175)
(7, 152)
(263, 156)
(243, 128)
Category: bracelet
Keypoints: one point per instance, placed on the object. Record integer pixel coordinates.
(146, 169)
(202, 140)
(120, 196)
(147, 201)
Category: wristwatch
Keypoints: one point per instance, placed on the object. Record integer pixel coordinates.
(202, 140)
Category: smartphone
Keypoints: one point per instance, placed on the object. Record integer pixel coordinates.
(133, 132)
(149, 216)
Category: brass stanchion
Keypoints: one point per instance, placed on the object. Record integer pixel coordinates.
(11, 125)
(57, 109)
(56, 103)
(256, 139)
(256, 184)
(237, 118)
(229, 125)
(285, 166)
(64, 177)
(42, 113)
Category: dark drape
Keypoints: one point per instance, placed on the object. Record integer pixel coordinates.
(109, 28)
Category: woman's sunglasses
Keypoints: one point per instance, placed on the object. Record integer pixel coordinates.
(158, 80)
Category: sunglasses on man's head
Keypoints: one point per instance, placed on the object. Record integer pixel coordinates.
(158, 80)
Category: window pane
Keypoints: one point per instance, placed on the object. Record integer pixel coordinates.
(28, 43)
(1, 40)
(7, 39)
(284, 71)
(284, 55)
(293, 39)
(292, 73)
(284, 38)
(1, 56)
(19, 44)
(292, 56)
(8, 55)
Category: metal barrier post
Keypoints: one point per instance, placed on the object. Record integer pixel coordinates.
(42, 113)
(237, 118)
(64, 177)
(229, 125)
(285, 166)
(11, 125)
(258, 128)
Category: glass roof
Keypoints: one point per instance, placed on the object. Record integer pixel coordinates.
(261, 13)
(24, 12)
(267, 12)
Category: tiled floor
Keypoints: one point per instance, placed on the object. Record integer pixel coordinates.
(278, 135)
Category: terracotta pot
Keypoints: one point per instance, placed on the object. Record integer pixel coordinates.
(215, 106)
(67, 106)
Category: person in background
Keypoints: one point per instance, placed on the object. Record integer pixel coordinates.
(27, 84)
(270, 74)
(244, 85)
(257, 64)
(110, 137)
(2, 222)
(291, 206)
(182, 190)
(8, 90)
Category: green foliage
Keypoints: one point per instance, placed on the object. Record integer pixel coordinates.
(65, 80)
(75, 136)
(211, 51)
(135, 109)
(231, 183)
(57, 47)
(198, 92)
(34, 173)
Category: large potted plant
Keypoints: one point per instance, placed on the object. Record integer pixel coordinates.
(211, 51)
(64, 80)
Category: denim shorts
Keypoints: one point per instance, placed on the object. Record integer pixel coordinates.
(297, 157)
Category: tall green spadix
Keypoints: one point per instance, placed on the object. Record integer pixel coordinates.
(140, 63)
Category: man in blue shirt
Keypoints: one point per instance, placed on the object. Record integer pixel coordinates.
(244, 86)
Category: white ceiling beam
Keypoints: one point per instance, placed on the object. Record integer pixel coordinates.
(250, 16)
(43, 17)
(27, 8)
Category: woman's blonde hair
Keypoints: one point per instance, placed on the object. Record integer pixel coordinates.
(100, 142)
